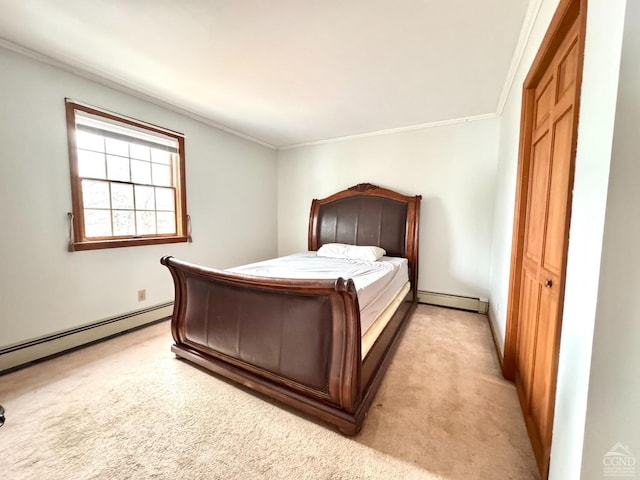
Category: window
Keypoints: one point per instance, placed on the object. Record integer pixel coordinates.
(127, 181)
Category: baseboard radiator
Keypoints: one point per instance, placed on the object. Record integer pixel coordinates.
(25, 353)
(479, 305)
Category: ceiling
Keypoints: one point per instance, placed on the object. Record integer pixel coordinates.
(287, 72)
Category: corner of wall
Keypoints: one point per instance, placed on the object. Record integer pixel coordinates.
(496, 334)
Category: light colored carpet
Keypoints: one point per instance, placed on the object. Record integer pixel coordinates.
(128, 409)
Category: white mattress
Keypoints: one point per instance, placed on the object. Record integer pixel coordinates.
(371, 335)
(377, 283)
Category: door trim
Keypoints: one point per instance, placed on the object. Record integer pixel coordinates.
(567, 12)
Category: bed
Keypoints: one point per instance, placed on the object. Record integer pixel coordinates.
(300, 340)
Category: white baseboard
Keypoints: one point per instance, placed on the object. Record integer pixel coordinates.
(479, 305)
(23, 353)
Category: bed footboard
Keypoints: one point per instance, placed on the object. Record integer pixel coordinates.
(297, 341)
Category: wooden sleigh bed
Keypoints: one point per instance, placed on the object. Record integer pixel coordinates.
(299, 341)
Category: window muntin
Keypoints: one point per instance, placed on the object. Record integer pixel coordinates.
(127, 180)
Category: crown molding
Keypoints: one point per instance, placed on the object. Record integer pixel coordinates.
(109, 80)
(408, 128)
(116, 83)
(523, 39)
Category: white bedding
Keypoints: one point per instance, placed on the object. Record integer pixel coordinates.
(377, 283)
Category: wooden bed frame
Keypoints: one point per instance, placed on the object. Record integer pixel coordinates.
(298, 341)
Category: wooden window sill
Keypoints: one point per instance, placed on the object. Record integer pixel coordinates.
(133, 242)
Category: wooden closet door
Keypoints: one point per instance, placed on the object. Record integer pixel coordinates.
(543, 264)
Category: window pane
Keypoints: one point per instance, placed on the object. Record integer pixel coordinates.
(166, 222)
(144, 198)
(118, 168)
(164, 199)
(140, 172)
(91, 164)
(161, 174)
(160, 156)
(140, 151)
(117, 147)
(122, 196)
(95, 194)
(123, 222)
(127, 181)
(89, 141)
(146, 223)
(97, 223)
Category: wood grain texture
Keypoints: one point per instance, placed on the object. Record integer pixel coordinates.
(541, 224)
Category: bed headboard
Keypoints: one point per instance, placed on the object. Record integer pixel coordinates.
(366, 214)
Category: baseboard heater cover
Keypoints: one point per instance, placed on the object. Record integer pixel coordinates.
(479, 305)
(21, 354)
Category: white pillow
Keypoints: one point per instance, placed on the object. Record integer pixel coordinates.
(354, 252)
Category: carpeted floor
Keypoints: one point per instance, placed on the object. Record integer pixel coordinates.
(128, 409)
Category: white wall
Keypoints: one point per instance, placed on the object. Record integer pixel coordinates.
(595, 131)
(453, 167)
(231, 196)
(613, 413)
